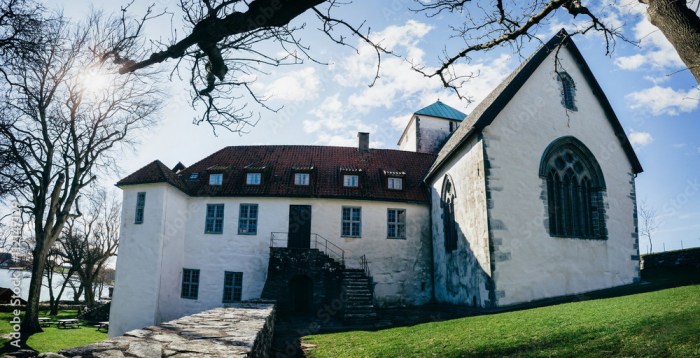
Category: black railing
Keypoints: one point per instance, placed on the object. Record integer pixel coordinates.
(280, 239)
(364, 266)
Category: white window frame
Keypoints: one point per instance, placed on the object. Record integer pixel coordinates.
(216, 179)
(246, 219)
(351, 180)
(398, 225)
(350, 222)
(395, 183)
(254, 178)
(302, 179)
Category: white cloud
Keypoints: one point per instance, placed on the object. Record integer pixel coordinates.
(656, 51)
(663, 100)
(630, 62)
(299, 85)
(678, 145)
(640, 139)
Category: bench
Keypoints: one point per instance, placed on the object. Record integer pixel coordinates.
(102, 325)
(65, 323)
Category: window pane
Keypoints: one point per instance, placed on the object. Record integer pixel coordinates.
(350, 180)
(216, 179)
(248, 219)
(214, 223)
(253, 178)
(140, 204)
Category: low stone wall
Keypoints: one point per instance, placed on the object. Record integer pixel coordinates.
(679, 259)
(241, 330)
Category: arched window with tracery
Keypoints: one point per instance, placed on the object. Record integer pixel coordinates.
(575, 187)
(568, 91)
(448, 214)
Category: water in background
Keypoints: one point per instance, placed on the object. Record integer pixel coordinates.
(26, 275)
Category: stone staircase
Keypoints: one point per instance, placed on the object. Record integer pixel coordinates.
(358, 297)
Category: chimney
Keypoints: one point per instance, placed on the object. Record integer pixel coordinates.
(364, 141)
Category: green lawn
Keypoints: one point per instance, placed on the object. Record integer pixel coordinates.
(54, 339)
(657, 324)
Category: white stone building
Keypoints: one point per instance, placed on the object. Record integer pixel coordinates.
(531, 196)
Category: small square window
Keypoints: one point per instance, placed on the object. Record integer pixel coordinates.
(301, 179)
(216, 179)
(351, 181)
(395, 183)
(253, 178)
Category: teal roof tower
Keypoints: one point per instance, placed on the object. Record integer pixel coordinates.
(441, 110)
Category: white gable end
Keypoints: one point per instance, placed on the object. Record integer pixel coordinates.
(530, 263)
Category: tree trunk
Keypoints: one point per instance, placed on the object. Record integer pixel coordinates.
(30, 323)
(681, 26)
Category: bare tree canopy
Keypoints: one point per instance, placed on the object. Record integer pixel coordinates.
(91, 240)
(223, 45)
(65, 113)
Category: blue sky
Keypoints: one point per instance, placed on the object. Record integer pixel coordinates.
(658, 106)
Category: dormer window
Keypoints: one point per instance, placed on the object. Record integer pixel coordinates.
(194, 176)
(302, 179)
(394, 179)
(395, 183)
(351, 181)
(216, 179)
(568, 91)
(253, 178)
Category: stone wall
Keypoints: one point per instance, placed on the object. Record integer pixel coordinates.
(243, 330)
(680, 259)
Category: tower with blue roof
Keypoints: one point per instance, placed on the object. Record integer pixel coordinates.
(430, 127)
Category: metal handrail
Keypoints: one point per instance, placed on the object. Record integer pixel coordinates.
(364, 265)
(280, 239)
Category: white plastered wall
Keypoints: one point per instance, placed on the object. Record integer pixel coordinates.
(150, 288)
(529, 264)
(462, 275)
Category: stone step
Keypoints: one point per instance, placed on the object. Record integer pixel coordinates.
(359, 316)
(358, 293)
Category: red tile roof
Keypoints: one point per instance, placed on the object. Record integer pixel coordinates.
(279, 163)
(153, 172)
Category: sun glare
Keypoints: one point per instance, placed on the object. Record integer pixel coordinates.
(93, 81)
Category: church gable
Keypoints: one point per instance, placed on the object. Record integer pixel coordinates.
(489, 109)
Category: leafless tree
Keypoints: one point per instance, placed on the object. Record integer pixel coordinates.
(91, 241)
(55, 267)
(60, 129)
(648, 222)
(225, 45)
(513, 23)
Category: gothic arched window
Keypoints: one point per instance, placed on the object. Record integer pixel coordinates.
(575, 187)
(568, 91)
(448, 214)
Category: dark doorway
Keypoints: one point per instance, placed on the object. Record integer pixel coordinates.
(299, 227)
(301, 294)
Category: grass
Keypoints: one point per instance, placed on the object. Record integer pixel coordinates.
(54, 339)
(664, 323)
